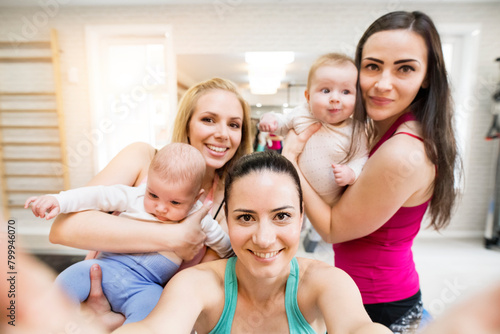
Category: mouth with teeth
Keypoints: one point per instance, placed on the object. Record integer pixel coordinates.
(266, 255)
(217, 149)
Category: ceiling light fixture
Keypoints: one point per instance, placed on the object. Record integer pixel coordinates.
(266, 70)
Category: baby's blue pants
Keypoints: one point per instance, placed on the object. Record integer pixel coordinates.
(133, 283)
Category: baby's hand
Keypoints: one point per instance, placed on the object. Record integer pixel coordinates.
(344, 175)
(45, 206)
(268, 123)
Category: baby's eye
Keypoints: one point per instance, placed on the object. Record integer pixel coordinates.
(325, 90)
(346, 92)
(152, 195)
(175, 203)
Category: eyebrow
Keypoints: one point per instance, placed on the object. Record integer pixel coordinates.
(401, 61)
(213, 113)
(274, 210)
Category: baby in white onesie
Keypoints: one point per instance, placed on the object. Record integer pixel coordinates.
(330, 95)
(134, 282)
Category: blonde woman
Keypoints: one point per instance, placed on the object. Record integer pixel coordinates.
(212, 117)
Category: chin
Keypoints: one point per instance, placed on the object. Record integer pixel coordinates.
(216, 164)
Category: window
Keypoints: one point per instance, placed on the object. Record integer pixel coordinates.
(133, 87)
(460, 46)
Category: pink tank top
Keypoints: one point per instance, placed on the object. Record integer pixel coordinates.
(382, 263)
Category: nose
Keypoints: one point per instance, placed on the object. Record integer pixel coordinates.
(221, 132)
(384, 82)
(334, 96)
(162, 208)
(265, 235)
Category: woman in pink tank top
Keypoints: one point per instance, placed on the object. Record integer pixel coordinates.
(404, 104)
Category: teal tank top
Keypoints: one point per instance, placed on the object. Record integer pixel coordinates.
(297, 324)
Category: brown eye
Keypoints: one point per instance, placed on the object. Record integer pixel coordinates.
(283, 216)
(245, 218)
(371, 67)
(406, 69)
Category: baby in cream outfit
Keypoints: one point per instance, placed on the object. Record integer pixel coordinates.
(330, 95)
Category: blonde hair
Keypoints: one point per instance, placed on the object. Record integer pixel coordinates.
(179, 162)
(329, 59)
(187, 106)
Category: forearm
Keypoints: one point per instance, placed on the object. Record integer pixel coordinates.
(318, 211)
(94, 230)
(133, 328)
(372, 328)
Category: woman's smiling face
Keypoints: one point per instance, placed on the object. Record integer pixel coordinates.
(215, 128)
(393, 69)
(264, 222)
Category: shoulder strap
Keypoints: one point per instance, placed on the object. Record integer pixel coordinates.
(390, 132)
(297, 324)
(409, 134)
(230, 298)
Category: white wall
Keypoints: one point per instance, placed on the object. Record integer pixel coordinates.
(225, 28)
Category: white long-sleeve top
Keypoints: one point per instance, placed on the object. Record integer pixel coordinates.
(130, 202)
(328, 145)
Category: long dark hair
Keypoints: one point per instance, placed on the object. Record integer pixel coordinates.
(432, 107)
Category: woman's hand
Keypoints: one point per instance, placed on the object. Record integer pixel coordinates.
(192, 237)
(479, 314)
(294, 144)
(98, 303)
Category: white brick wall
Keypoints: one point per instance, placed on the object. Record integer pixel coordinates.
(280, 26)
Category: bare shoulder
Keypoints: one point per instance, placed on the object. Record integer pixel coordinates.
(136, 157)
(319, 275)
(326, 294)
(140, 150)
(405, 155)
(402, 149)
(203, 283)
(205, 275)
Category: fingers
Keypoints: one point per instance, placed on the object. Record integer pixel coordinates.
(99, 304)
(43, 206)
(91, 255)
(96, 283)
(264, 127)
(310, 131)
(52, 213)
(271, 127)
(203, 211)
(193, 237)
(29, 201)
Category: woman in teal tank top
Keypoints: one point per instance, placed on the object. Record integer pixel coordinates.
(265, 289)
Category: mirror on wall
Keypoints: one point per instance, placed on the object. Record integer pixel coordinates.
(193, 68)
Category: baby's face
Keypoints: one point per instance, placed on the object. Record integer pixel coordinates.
(332, 94)
(169, 200)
